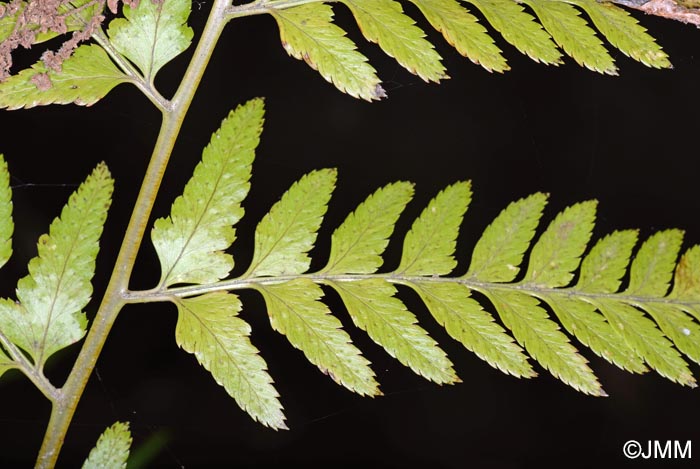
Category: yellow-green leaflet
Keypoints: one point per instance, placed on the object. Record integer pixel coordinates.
(581, 319)
(383, 22)
(652, 268)
(641, 335)
(463, 32)
(308, 34)
(686, 281)
(499, 252)
(571, 33)
(112, 448)
(358, 244)
(295, 311)
(6, 230)
(430, 244)
(6, 363)
(606, 264)
(467, 322)
(288, 232)
(678, 326)
(209, 328)
(373, 308)
(190, 242)
(543, 340)
(152, 34)
(623, 32)
(86, 77)
(520, 29)
(6, 224)
(48, 316)
(557, 254)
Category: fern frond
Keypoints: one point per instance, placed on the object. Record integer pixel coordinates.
(520, 29)
(374, 309)
(529, 285)
(462, 31)
(86, 77)
(624, 33)
(570, 32)
(288, 232)
(383, 22)
(308, 33)
(430, 244)
(48, 315)
(152, 34)
(6, 224)
(357, 245)
(295, 311)
(112, 448)
(190, 242)
(209, 328)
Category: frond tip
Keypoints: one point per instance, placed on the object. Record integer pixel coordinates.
(545, 288)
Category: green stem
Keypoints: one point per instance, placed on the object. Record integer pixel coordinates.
(113, 300)
(34, 374)
(160, 294)
(137, 79)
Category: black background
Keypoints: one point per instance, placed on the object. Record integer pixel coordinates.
(628, 141)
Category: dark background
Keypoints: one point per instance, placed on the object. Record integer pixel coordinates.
(628, 141)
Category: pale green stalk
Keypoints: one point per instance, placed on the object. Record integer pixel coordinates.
(68, 396)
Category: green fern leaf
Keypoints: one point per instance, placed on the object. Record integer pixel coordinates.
(308, 34)
(87, 76)
(6, 224)
(543, 340)
(520, 29)
(582, 320)
(288, 232)
(646, 340)
(48, 316)
(570, 32)
(357, 245)
(463, 32)
(189, 243)
(112, 448)
(383, 22)
(686, 281)
(295, 311)
(6, 363)
(467, 322)
(499, 252)
(603, 268)
(686, 293)
(558, 251)
(678, 326)
(430, 244)
(373, 308)
(652, 268)
(152, 34)
(623, 32)
(209, 328)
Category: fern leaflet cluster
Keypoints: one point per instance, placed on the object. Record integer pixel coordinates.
(520, 285)
(308, 32)
(133, 49)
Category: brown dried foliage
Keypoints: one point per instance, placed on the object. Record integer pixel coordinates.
(34, 17)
